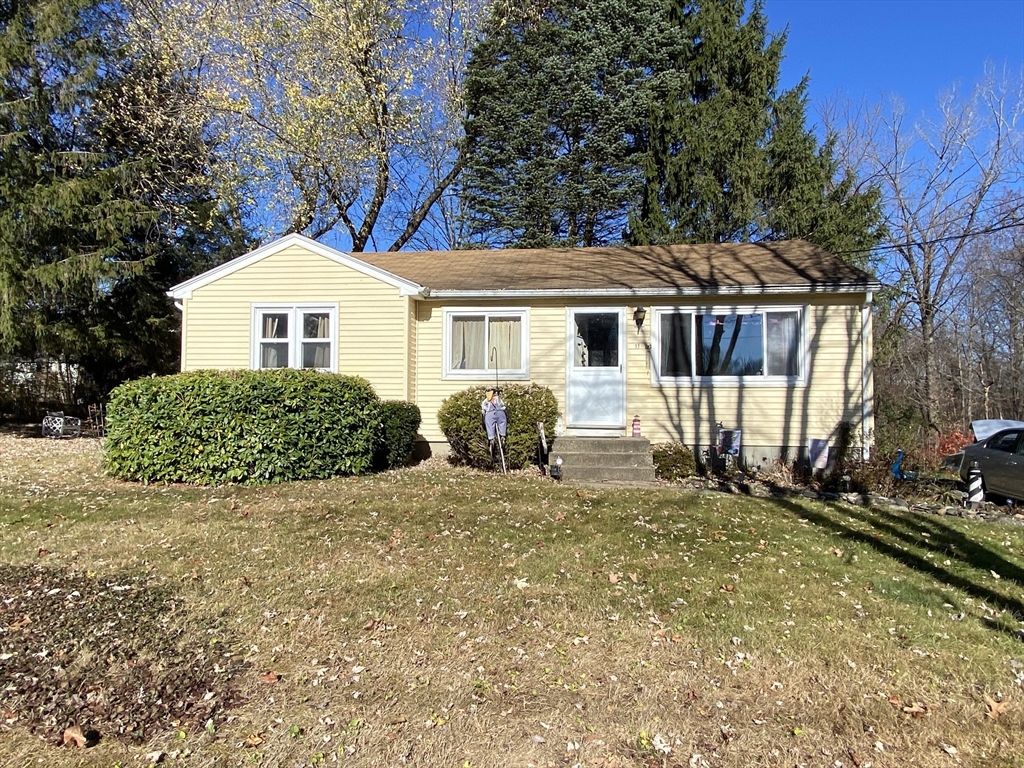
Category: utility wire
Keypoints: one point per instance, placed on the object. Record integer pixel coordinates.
(936, 241)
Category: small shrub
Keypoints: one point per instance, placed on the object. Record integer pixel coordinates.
(674, 461)
(525, 404)
(209, 427)
(400, 420)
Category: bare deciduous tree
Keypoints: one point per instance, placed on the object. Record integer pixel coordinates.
(946, 184)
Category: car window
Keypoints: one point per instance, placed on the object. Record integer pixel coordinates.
(1006, 441)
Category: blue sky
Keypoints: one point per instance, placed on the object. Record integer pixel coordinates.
(913, 48)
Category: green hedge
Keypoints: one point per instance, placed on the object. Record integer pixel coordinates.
(401, 422)
(674, 461)
(525, 404)
(253, 427)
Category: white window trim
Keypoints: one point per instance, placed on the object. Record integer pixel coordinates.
(294, 341)
(521, 373)
(803, 357)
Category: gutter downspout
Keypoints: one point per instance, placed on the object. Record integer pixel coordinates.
(866, 386)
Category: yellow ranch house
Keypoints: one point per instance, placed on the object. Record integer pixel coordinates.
(771, 339)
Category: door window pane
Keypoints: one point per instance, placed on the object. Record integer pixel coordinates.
(597, 339)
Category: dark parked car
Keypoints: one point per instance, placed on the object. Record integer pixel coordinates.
(1001, 460)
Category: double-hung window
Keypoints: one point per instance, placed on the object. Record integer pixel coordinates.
(482, 343)
(751, 345)
(295, 336)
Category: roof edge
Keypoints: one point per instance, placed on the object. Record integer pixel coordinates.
(739, 290)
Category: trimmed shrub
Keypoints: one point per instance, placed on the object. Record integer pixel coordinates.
(674, 461)
(252, 427)
(525, 404)
(401, 421)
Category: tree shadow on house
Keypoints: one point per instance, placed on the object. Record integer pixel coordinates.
(929, 546)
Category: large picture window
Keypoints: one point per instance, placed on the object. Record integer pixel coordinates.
(481, 343)
(743, 344)
(294, 336)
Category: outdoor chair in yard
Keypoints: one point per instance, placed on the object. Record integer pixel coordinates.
(56, 425)
(96, 424)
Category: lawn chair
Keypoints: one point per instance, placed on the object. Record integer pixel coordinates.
(56, 425)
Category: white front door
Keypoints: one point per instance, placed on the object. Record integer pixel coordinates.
(595, 372)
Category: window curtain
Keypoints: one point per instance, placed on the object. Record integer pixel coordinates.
(316, 354)
(274, 354)
(782, 344)
(506, 340)
(675, 344)
(469, 343)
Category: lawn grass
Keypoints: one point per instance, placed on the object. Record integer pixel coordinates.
(450, 618)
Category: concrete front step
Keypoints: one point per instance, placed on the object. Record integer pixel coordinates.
(604, 459)
(577, 474)
(601, 445)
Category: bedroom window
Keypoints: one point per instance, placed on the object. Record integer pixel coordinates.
(749, 345)
(294, 336)
(479, 343)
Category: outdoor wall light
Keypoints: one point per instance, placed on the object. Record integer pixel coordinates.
(639, 315)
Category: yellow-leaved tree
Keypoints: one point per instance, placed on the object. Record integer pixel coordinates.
(340, 118)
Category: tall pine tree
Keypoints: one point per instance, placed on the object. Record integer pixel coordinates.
(594, 121)
(555, 96)
(101, 186)
(729, 159)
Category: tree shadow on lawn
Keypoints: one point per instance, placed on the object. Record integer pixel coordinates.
(887, 532)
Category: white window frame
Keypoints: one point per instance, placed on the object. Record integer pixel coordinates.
(295, 312)
(763, 380)
(517, 374)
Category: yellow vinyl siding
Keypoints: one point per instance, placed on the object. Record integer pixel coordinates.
(372, 316)
(769, 415)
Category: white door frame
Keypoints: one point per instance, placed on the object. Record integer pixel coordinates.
(601, 386)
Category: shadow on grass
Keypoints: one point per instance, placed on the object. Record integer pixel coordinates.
(898, 536)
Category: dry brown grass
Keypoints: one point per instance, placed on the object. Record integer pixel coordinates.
(449, 618)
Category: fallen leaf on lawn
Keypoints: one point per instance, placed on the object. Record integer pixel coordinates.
(633, 577)
(253, 740)
(613, 578)
(74, 733)
(995, 708)
(950, 750)
(21, 624)
(836, 551)
(154, 757)
(917, 709)
(540, 739)
(43, 552)
(270, 677)
(728, 588)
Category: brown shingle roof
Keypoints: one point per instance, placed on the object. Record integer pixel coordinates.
(709, 268)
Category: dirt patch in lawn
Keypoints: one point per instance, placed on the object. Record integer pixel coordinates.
(115, 656)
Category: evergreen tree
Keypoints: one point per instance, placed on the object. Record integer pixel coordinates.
(729, 159)
(101, 192)
(555, 96)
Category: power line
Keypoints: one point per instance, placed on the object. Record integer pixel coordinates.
(936, 241)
